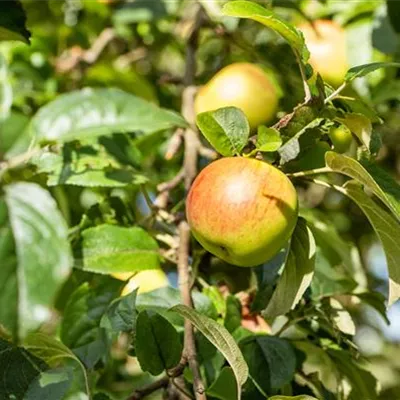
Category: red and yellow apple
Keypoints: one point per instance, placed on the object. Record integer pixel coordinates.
(242, 210)
(242, 85)
(326, 41)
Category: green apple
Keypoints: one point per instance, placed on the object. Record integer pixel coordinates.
(245, 86)
(326, 41)
(242, 210)
(341, 138)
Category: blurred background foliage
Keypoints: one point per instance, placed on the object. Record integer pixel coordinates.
(139, 46)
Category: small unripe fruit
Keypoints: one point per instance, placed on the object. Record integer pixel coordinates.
(328, 50)
(242, 210)
(242, 85)
(147, 280)
(341, 138)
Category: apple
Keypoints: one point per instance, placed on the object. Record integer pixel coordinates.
(326, 41)
(242, 85)
(147, 280)
(341, 138)
(242, 210)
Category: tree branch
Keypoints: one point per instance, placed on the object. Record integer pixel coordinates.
(184, 285)
(73, 56)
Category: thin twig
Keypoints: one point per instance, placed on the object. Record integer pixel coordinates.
(184, 285)
(73, 56)
(192, 142)
(19, 160)
(152, 387)
(171, 184)
(174, 144)
(160, 383)
(335, 93)
(315, 171)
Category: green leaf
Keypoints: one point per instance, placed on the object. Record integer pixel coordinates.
(386, 182)
(220, 338)
(52, 384)
(18, 369)
(301, 397)
(224, 387)
(43, 258)
(80, 326)
(158, 345)
(161, 300)
(336, 249)
(120, 315)
(233, 316)
(362, 70)
(293, 147)
(271, 361)
(393, 10)
(268, 139)
(110, 248)
(248, 9)
(11, 129)
(53, 352)
(330, 280)
(376, 300)
(12, 22)
(94, 112)
(360, 126)
(48, 349)
(388, 192)
(388, 231)
(227, 129)
(318, 362)
(88, 166)
(297, 273)
(363, 383)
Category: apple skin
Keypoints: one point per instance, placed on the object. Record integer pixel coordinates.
(147, 280)
(242, 210)
(341, 138)
(242, 85)
(328, 49)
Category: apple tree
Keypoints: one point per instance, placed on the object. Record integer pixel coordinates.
(199, 200)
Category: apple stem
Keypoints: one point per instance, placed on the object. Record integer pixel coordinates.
(335, 93)
(309, 172)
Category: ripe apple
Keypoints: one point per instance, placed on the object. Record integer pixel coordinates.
(341, 138)
(243, 85)
(326, 41)
(242, 210)
(147, 280)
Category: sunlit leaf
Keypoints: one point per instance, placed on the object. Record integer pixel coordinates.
(94, 112)
(386, 190)
(388, 231)
(221, 339)
(110, 248)
(297, 273)
(248, 9)
(29, 283)
(227, 129)
(362, 70)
